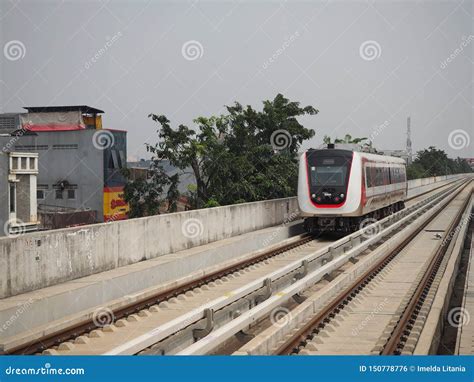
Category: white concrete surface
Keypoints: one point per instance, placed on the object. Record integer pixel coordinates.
(37, 260)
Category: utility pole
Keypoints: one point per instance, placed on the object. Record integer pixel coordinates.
(409, 150)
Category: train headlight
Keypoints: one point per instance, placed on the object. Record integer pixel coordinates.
(342, 196)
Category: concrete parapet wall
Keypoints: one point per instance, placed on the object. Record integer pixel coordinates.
(418, 186)
(36, 260)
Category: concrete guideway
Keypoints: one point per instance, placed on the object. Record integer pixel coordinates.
(334, 251)
(365, 322)
(133, 297)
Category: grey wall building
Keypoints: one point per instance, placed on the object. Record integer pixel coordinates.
(79, 166)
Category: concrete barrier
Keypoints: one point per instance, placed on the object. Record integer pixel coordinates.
(418, 186)
(41, 259)
(36, 260)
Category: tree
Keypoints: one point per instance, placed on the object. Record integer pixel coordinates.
(146, 195)
(435, 162)
(245, 155)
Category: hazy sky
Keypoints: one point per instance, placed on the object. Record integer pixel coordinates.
(365, 65)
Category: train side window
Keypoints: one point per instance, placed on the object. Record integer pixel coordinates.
(368, 177)
(378, 178)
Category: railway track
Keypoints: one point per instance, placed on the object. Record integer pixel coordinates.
(177, 318)
(333, 258)
(383, 311)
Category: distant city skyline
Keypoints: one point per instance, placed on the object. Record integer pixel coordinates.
(366, 66)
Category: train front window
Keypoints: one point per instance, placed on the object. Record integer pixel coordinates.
(329, 172)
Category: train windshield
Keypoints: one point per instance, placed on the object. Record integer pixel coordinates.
(329, 172)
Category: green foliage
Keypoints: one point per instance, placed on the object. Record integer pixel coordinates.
(434, 162)
(146, 195)
(211, 203)
(233, 156)
(347, 139)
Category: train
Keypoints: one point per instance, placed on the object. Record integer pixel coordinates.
(339, 189)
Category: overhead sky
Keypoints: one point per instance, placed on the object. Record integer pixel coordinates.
(366, 65)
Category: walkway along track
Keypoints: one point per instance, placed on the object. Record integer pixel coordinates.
(382, 311)
(65, 342)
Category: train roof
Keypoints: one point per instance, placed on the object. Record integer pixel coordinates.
(369, 156)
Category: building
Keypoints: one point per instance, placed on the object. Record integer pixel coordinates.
(80, 163)
(18, 208)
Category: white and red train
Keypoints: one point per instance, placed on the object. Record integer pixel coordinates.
(338, 189)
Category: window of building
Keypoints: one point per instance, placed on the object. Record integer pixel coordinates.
(59, 194)
(71, 194)
(32, 164)
(41, 190)
(122, 158)
(65, 146)
(12, 197)
(14, 163)
(115, 159)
